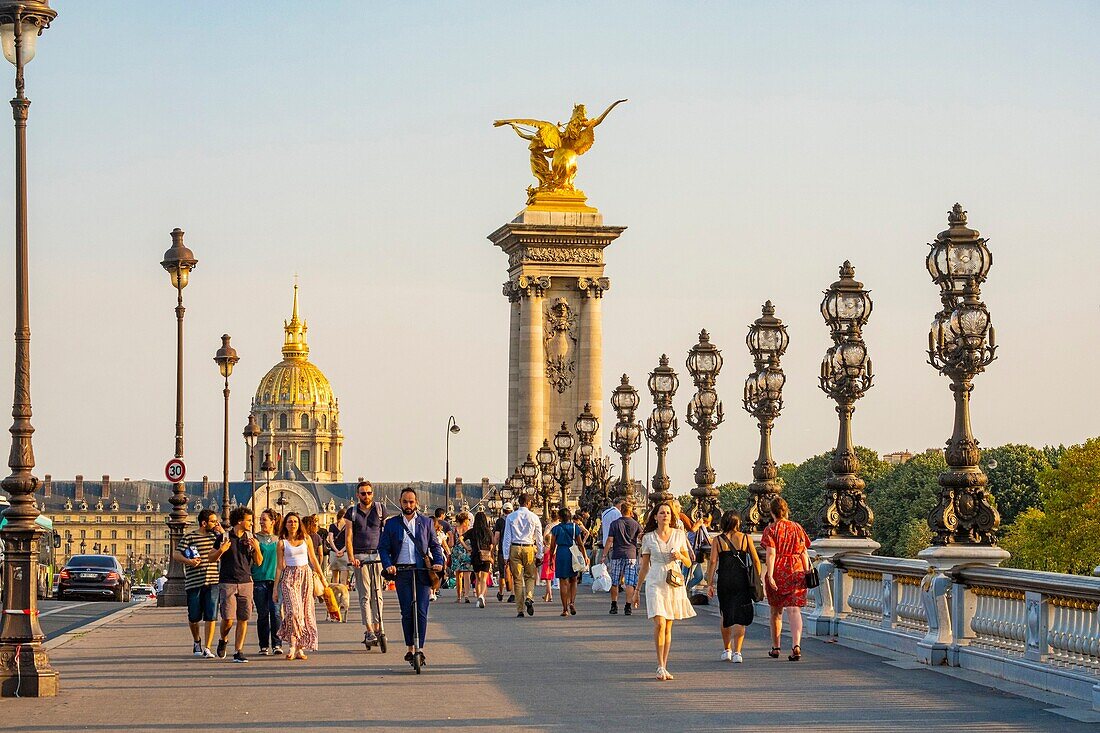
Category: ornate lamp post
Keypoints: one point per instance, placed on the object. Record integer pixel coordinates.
(704, 415)
(452, 428)
(225, 359)
(178, 261)
(626, 436)
(961, 344)
(24, 665)
(846, 373)
(529, 471)
(586, 426)
(545, 457)
(268, 466)
(598, 497)
(282, 502)
(251, 435)
(662, 427)
(514, 485)
(767, 340)
(564, 443)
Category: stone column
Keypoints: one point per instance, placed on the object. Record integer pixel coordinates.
(532, 365)
(591, 351)
(513, 374)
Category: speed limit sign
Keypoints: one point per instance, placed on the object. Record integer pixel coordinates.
(174, 470)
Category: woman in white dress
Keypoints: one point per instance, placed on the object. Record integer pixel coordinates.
(664, 550)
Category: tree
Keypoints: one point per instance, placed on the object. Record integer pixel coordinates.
(1061, 536)
(1013, 472)
(733, 495)
(906, 493)
(804, 484)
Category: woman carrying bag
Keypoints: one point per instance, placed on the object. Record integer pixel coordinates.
(664, 550)
(788, 558)
(297, 571)
(734, 561)
(567, 549)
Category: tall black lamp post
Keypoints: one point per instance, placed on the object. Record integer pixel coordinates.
(24, 664)
(662, 427)
(704, 415)
(268, 467)
(225, 358)
(452, 429)
(763, 399)
(586, 426)
(545, 457)
(251, 435)
(564, 443)
(846, 374)
(961, 344)
(529, 471)
(626, 436)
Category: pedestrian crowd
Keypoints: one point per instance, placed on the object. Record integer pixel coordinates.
(286, 566)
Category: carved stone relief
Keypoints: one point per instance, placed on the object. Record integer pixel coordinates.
(576, 255)
(560, 343)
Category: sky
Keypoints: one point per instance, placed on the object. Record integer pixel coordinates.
(763, 144)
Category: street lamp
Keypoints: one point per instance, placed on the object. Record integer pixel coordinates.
(178, 262)
(514, 485)
(251, 435)
(598, 497)
(704, 415)
(626, 436)
(662, 427)
(452, 428)
(961, 344)
(529, 471)
(281, 502)
(846, 374)
(763, 399)
(586, 426)
(24, 664)
(545, 457)
(564, 443)
(267, 466)
(225, 358)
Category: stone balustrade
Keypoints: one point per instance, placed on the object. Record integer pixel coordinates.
(1038, 629)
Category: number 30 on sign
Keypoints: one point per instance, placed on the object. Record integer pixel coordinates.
(174, 470)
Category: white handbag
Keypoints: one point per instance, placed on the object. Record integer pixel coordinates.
(576, 552)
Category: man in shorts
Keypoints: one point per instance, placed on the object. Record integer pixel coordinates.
(239, 552)
(620, 553)
(362, 529)
(504, 572)
(195, 552)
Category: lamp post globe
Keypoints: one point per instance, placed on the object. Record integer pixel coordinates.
(226, 358)
(24, 664)
(767, 341)
(662, 427)
(704, 415)
(251, 435)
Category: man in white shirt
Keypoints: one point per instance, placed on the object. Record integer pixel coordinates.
(523, 550)
(608, 516)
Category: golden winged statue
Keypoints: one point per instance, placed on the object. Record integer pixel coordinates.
(555, 148)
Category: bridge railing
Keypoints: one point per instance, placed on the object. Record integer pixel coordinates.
(1034, 628)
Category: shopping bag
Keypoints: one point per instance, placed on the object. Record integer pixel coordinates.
(601, 579)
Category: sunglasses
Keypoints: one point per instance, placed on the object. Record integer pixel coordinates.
(366, 493)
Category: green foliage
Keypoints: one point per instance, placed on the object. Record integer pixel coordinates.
(804, 484)
(733, 496)
(1062, 535)
(1014, 480)
(915, 535)
(907, 492)
(1054, 454)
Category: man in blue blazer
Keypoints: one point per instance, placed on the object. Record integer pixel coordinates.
(406, 541)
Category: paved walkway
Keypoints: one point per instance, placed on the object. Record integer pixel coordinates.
(490, 671)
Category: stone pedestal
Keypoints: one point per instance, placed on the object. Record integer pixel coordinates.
(555, 343)
(821, 620)
(943, 558)
(829, 547)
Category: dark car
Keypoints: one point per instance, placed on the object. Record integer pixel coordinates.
(98, 576)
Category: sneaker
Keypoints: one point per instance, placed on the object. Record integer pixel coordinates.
(614, 608)
(626, 610)
(370, 638)
(737, 658)
(277, 651)
(500, 595)
(197, 649)
(530, 605)
(519, 615)
(727, 655)
(206, 653)
(265, 652)
(222, 644)
(240, 658)
(481, 601)
(512, 598)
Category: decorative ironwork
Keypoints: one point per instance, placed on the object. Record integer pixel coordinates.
(846, 374)
(704, 415)
(564, 470)
(586, 425)
(961, 344)
(763, 399)
(662, 427)
(626, 436)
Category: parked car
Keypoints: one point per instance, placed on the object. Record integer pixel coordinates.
(93, 575)
(143, 593)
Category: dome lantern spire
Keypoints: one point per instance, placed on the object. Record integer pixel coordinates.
(294, 343)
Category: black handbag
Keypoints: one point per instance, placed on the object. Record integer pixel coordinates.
(812, 578)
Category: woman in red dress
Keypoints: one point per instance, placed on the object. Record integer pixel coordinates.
(786, 545)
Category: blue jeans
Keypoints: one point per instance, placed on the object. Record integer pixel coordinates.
(404, 583)
(202, 603)
(267, 613)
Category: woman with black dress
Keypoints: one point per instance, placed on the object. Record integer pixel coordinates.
(732, 553)
(481, 553)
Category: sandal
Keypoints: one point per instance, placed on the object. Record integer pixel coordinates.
(302, 656)
(796, 653)
(572, 610)
(564, 613)
(774, 653)
(661, 674)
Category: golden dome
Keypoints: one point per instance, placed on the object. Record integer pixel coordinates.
(294, 380)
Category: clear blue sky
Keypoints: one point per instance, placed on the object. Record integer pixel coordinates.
(763, 144)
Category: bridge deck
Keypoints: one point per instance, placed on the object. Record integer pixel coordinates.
(489, 670)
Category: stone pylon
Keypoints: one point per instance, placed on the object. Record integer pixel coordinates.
(555, 289)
